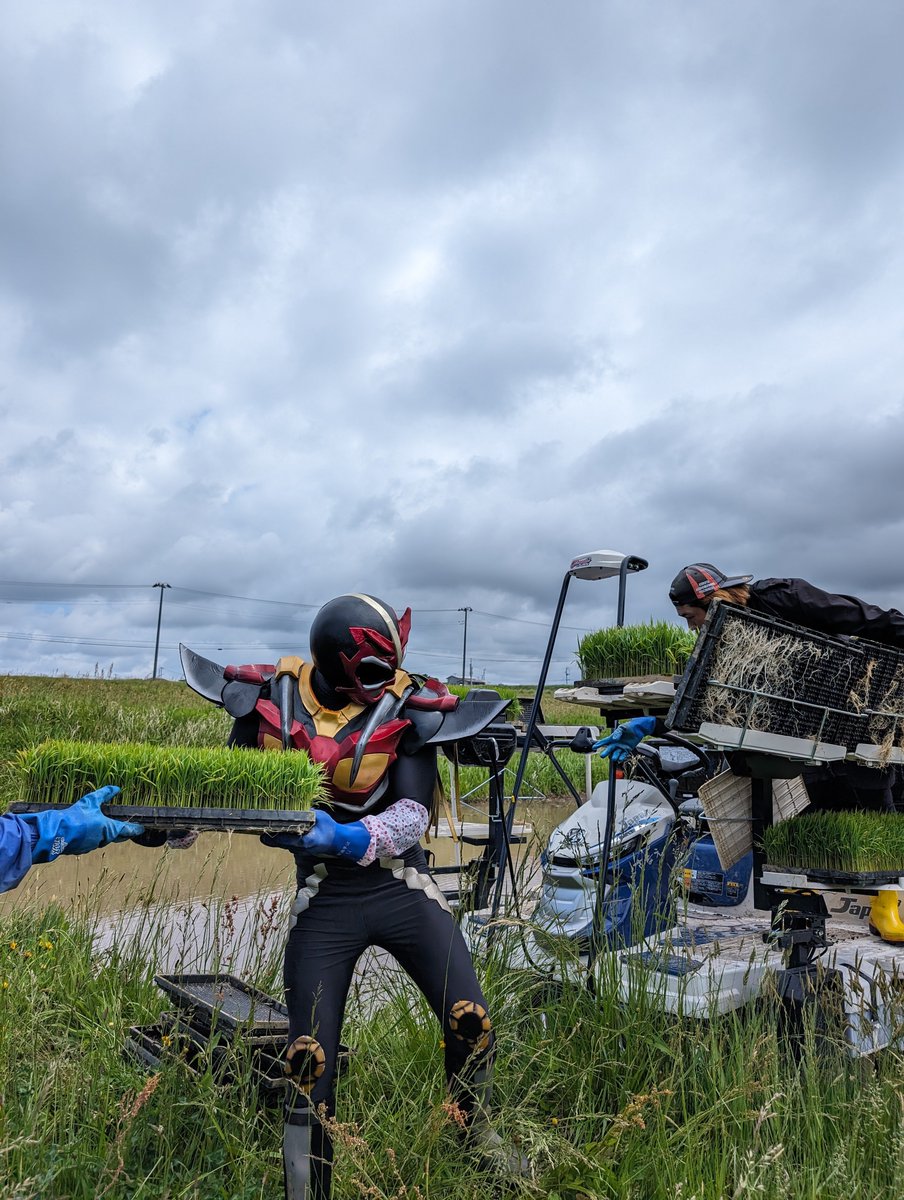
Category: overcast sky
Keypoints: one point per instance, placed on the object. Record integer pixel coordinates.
(424, 299)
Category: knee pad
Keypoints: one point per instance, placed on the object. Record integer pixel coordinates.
(305, 1062)
(470, 1023)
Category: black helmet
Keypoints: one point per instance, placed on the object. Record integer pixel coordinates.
(694, 584)
(357, 645)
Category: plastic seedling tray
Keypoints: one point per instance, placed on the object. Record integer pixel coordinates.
(224, 1003)
(755, 682)
(146, 1043)
(865, 879)
(225, 820)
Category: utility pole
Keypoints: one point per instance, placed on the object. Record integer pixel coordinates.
(159, 619)
(464, 644)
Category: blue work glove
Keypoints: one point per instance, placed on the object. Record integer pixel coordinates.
(625, 738)
(327, 838)
(79, 828)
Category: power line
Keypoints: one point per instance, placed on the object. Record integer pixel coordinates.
(177, 588)
(251, 599)
(525, 621)
(121, 644)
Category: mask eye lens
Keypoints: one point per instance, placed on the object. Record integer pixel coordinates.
(373, 673)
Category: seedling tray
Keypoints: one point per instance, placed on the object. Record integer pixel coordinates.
(225, 1003)
(208, 820)
(757, 682)
(146, 1043)
(198, 1026)
(866, 879)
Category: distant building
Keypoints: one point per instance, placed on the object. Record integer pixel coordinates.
(466, 681)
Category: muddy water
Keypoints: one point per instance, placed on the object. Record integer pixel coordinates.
(223, 904)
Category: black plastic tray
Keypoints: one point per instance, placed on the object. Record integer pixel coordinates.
(849, 878)
(229, 820)
(199, 1026)
(146, 1043)
(223, 1002)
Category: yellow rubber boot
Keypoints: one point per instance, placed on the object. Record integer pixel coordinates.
(885, 918)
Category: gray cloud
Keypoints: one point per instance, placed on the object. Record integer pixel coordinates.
(427, 299)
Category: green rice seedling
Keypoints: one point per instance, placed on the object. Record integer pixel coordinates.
(838, 841)
(656, 648)
(62, 771)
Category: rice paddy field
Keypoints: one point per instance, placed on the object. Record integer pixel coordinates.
(607, 1097)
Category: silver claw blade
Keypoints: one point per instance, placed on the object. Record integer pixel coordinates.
(286, 709)
(384, 710)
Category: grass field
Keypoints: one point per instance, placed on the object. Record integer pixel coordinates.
(609, 1098)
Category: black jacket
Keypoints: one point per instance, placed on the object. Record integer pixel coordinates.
(801, 603)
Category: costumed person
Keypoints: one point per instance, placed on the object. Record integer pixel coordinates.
(39, 837)
(835, 785)
(362, 874)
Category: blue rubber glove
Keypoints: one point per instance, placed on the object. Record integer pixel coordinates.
(625, 738)
(327, 839)
(79, 828)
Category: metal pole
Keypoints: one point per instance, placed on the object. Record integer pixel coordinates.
(622, 582)
(464, 644)
(597, 930)
(509, 817)
(159, 619)
(535, 707)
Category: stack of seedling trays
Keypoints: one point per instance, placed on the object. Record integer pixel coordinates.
(217, 1021)
(760, 684)
(170, 787)
(846, 849)
(220, 1022)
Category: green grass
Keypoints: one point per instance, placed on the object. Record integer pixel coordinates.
(609, 1096)
(656, 648)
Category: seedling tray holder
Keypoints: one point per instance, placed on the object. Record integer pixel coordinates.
(758, 683)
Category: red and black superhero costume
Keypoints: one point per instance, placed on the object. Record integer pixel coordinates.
(374, 729)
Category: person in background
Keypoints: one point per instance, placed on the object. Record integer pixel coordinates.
(835, 785)
(39, 837)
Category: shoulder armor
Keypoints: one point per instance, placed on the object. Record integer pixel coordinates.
(250, 673)
(431, 696)
(245, 685)
(237, 689)
(423, 725)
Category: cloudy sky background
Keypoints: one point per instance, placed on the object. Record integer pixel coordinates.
(424, 299)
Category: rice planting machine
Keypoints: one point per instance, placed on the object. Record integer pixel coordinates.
(664, 873)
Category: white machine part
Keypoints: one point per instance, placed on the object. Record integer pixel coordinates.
(568, 896)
